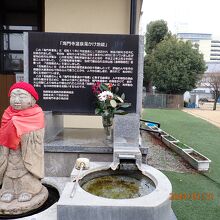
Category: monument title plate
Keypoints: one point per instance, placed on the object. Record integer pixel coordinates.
(63, 66)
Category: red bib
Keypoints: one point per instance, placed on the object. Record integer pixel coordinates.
(18, 122)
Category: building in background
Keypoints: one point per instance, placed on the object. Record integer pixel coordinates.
(215, 51)
(209, 47)
(211, 50)
(202, 40)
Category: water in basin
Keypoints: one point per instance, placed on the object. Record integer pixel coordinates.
(117, 184)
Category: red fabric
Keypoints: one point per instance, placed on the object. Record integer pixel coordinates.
(25, 86)
(16, 123)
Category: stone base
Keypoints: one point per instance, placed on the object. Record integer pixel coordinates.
(15, 207)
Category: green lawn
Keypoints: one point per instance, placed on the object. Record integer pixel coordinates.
(205, 138)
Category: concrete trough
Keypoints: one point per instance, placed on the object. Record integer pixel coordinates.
(196, 159)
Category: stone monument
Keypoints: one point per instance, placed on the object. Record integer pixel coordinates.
(22, 152)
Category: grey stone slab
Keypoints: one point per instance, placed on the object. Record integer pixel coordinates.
(59, 164)
(59, 148)
(140, 75)
(76, 137)
(82, 141)
(126, 128)
(53, 125)
(109, 213)
(98, 157)
(79, 141)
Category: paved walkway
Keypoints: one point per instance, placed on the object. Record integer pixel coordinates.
(211, 116)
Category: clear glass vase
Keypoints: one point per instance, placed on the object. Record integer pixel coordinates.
(107, 124)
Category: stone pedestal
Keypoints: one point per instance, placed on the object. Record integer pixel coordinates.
(15, 207)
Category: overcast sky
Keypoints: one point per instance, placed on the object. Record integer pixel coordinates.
(195, 16)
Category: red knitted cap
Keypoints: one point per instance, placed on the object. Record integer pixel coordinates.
(25, 86)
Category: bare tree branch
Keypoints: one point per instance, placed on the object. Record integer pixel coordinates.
(212, 80)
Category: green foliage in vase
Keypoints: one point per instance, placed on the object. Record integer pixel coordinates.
(108, 102)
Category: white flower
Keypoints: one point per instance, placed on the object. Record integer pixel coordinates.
(109, 94)
(105, 95)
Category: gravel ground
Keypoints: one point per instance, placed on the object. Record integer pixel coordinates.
(162, 158)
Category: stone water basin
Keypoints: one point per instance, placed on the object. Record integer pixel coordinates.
(120, 184)
(134, 195)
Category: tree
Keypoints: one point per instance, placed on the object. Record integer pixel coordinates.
(147, 75)
(212, 81)
(176, 66)
(156, 32)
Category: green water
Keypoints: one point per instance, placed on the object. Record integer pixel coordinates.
(119, 186)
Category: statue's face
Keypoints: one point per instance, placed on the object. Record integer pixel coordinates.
(21, 99)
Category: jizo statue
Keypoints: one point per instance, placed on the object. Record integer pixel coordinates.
(22, 150)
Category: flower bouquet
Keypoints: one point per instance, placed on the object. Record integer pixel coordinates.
(108, 103)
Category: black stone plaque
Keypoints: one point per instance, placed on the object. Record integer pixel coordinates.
(63, 67)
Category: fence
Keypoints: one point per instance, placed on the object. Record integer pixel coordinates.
(162, 101)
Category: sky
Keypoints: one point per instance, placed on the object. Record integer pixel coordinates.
(194, 16)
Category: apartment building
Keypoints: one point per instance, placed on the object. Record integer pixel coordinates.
(215, 50)
(209, 47)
